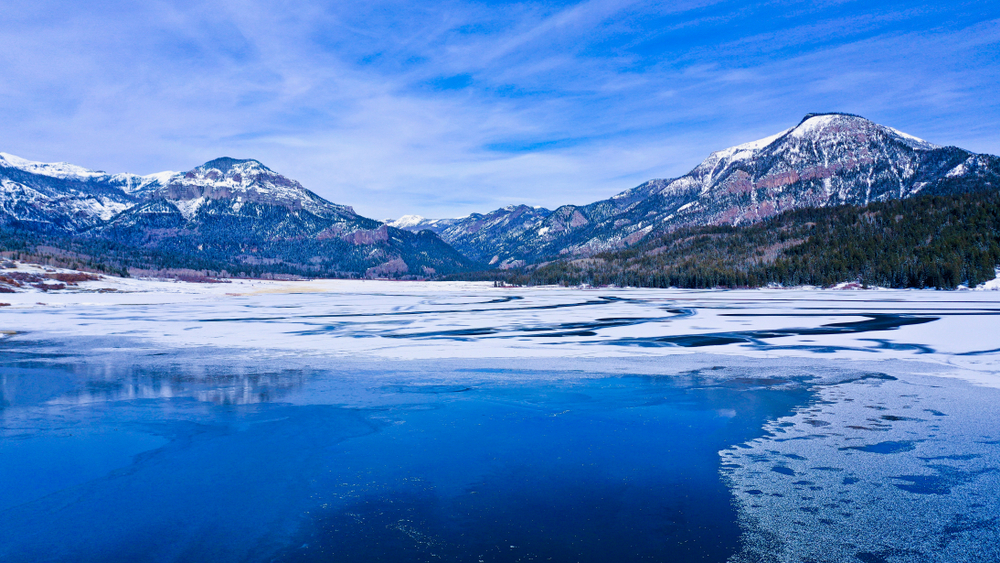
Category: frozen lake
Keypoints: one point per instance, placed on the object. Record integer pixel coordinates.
(391, 421)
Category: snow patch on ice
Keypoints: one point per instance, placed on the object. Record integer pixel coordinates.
(413, 320)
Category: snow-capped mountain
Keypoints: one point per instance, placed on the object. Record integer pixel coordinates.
(129, 183)
(418, 223)
(240, 182)
(825, 160)
(830, 159)
(222, 211)
(65, 196)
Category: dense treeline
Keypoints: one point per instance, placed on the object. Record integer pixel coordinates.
(117, 256)
(50, 248)
(931, 241)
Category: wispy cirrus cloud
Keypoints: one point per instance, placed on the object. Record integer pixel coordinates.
(447, 108)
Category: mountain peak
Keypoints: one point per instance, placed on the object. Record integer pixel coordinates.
(226, 164)
(830, 114)
(820, 122)
(812, 125)
(238, 181)
(833, 125)
(235, 172)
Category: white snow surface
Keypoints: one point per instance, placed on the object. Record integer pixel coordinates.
(415, 320)
(915, 142)
(817, 125)
(188, 207)
(959, 170)
(992, 285)
(747, 151)
(132, 183)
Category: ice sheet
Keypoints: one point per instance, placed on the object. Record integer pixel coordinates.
(412, 320)
(880, 469)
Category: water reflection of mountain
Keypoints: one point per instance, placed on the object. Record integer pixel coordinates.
(230, 387)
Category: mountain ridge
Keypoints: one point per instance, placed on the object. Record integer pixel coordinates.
(240, 214)
(235, 213)
(826, 159)
(919, 242)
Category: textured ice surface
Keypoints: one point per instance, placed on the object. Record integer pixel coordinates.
(407, 320)
(874, 470)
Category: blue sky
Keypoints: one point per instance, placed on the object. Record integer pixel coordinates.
(447, 107)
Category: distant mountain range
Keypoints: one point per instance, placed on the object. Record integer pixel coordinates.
(825, 160)
(227, 212)
(240, 216)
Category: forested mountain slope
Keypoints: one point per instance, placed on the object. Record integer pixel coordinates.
(826, 160)
(926, 241)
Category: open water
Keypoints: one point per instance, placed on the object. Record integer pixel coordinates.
(187, 463)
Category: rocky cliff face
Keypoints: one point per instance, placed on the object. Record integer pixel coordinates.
(825, 160)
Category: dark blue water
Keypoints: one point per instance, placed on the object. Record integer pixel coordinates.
(184, 463)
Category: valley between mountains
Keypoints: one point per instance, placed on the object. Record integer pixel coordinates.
(835, 198)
